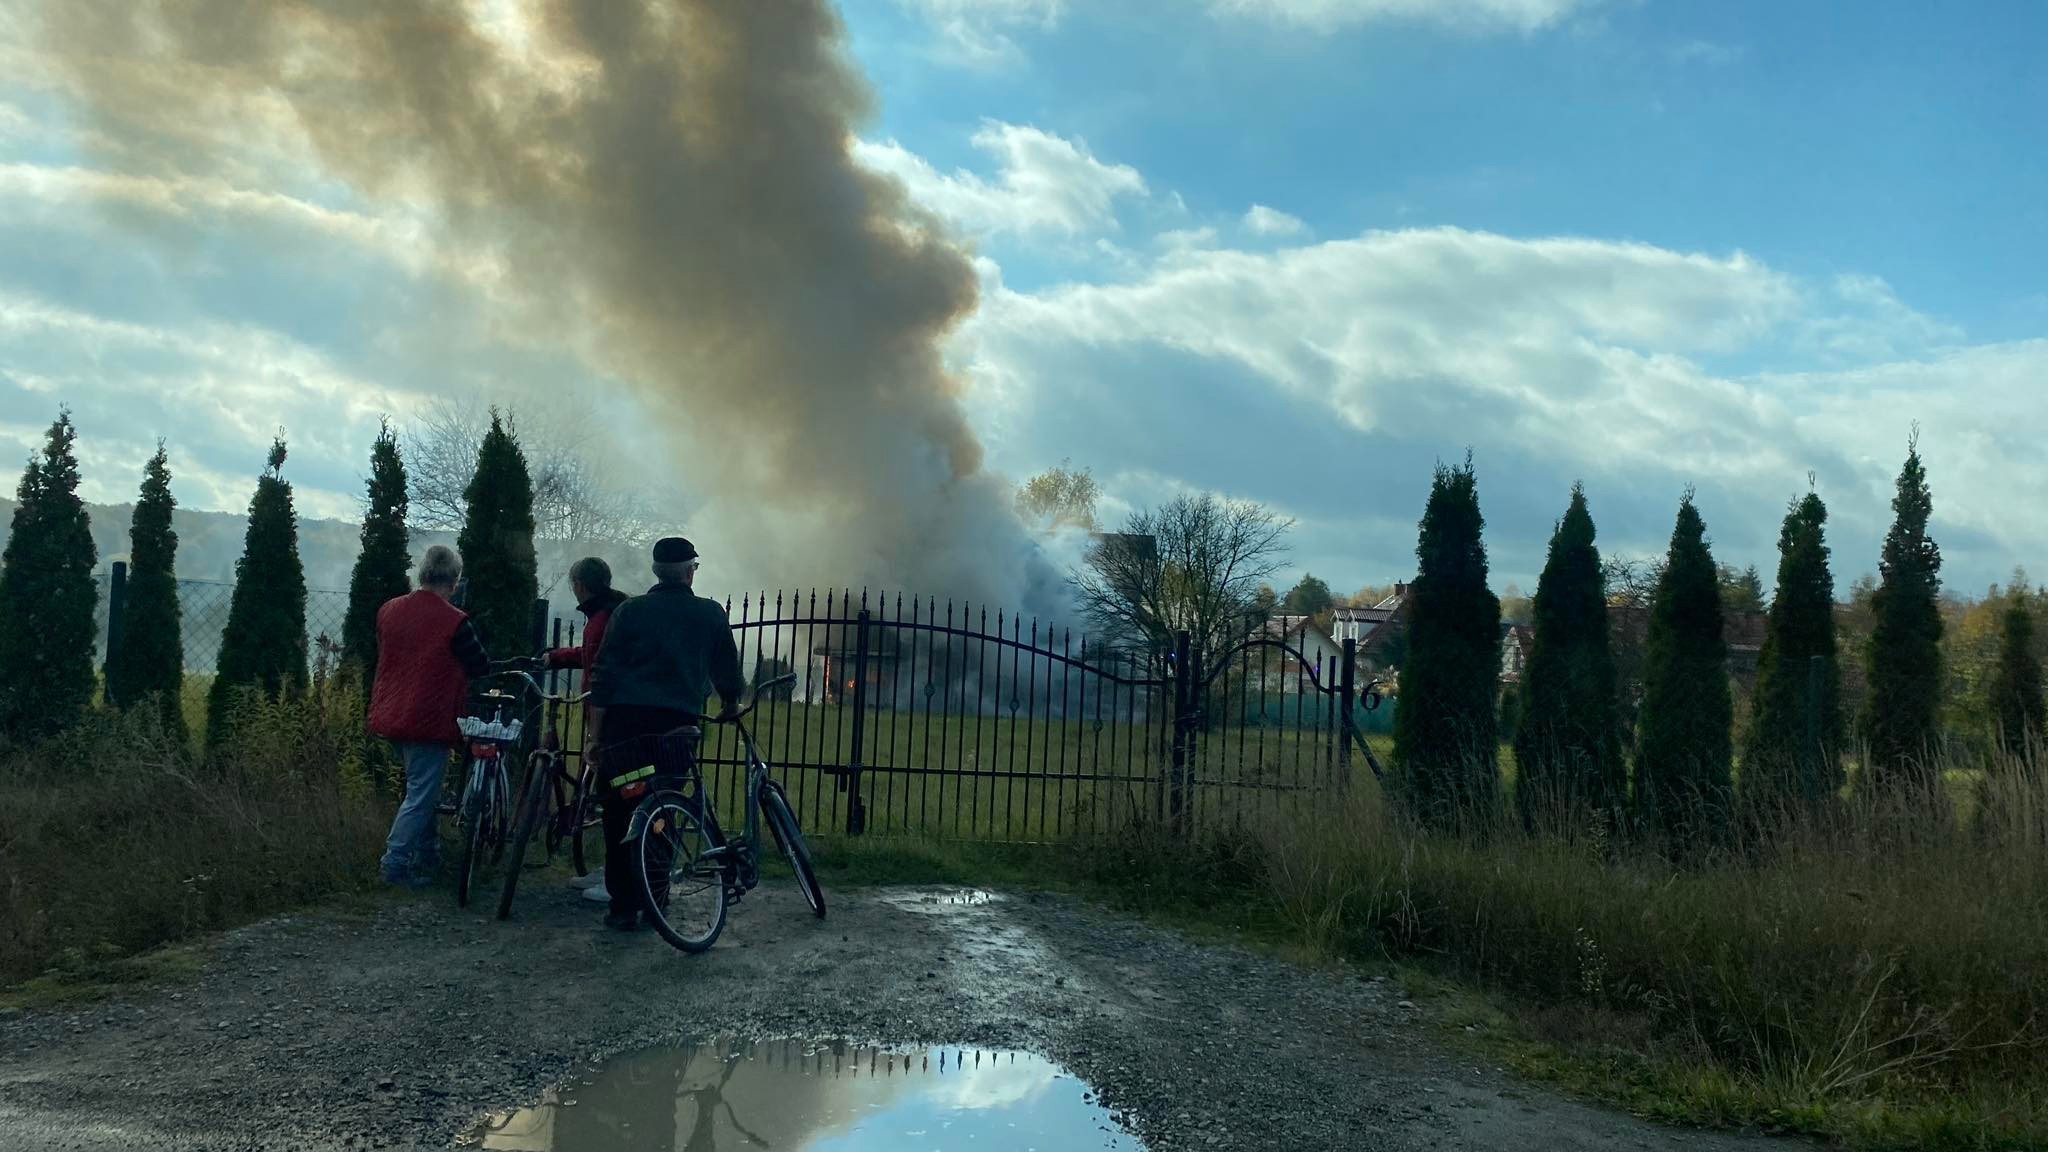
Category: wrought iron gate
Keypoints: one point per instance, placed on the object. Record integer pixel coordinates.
(915, 716)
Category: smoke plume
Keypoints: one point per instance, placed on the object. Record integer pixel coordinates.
(666, 185)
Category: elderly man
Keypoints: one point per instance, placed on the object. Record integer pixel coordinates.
(663, 654)
(427, 653)
(590, 579)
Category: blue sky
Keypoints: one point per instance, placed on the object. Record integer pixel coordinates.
(1288, 250)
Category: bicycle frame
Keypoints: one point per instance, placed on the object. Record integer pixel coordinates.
(744, 852)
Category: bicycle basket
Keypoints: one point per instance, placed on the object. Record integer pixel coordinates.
(632, 767)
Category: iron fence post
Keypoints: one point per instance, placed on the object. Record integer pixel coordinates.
(537, 629)
(117, 599)
(1183, 724)
(1816, 673)
(1347, 681)
(856, 812)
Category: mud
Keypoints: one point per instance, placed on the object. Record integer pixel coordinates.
(409, 1027)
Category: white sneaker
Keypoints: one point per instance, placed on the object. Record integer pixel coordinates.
(596, 894)
(581, 883)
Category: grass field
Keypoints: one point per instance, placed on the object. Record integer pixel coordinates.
(1019, 777)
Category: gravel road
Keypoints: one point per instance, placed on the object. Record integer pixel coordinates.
(398, 1029)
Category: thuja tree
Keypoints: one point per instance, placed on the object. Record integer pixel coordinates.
(264, 646)
(497, 543)
(1902, 715)
(1791, 762)
(47, 595)
(384, 559)
(150, 664)
(1684, 739)
(1445, 732)
(1568, 754)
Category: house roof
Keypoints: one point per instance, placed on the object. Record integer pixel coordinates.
(1285, 627)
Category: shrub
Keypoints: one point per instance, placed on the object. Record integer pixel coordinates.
(268, 824)
(1851, 982)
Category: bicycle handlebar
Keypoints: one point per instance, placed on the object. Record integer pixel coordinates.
(759, 689)
(520, 668)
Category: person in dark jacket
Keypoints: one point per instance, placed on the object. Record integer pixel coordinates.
(664, 653)
(428, 651)
(590, 580)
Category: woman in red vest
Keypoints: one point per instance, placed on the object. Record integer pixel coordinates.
(427, 653)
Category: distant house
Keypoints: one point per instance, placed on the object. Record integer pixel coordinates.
(1322, 656)
(1373, 629)
(1516, 642)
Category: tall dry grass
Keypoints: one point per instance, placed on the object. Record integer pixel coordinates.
(1883, 966)
(113, 839)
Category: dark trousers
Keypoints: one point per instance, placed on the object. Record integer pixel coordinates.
(629, 730)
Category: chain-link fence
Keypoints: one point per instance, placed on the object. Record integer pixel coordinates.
(203, 611)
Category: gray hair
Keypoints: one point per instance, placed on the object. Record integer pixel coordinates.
(675, 573)
(440, 567)
(594, 574)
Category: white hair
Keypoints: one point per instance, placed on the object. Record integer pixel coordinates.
(674, 573)
(440, 567)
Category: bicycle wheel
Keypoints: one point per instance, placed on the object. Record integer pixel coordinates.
(499, 816)
(537, 793)
(473, 814)
(683, 869)
(586, 817)
(782, 825)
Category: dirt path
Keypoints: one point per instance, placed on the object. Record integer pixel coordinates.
(399, 1029)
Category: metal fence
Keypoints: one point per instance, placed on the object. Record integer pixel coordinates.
(203, 617)
(913, 716)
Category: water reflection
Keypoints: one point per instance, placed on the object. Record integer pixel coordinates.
(824, 1097)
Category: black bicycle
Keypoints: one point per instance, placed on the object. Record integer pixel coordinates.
(484, 807)
(689, 872)
(549, 795)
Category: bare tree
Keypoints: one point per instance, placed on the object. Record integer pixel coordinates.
(1059, 497)
(1631, 586)
(1194, 563)
(571, 501)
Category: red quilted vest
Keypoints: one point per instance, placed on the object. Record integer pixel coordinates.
(420, 687)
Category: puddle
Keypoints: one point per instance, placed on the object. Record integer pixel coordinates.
(940, 901)
(830, 1097)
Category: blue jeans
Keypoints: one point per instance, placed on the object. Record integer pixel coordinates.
(413, 851)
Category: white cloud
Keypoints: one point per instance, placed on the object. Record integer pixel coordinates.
(1044, 183)
(977, 32)
(1861, 320)
(1566, 356)
(217, 389)
(1323, 15)
(1264, 221)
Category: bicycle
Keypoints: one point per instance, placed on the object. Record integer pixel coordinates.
(482, 807)
(682, 851)
(548, 787)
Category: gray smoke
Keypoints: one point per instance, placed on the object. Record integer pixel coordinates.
(668, 185)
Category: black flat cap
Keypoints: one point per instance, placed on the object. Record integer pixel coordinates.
(674, 550)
